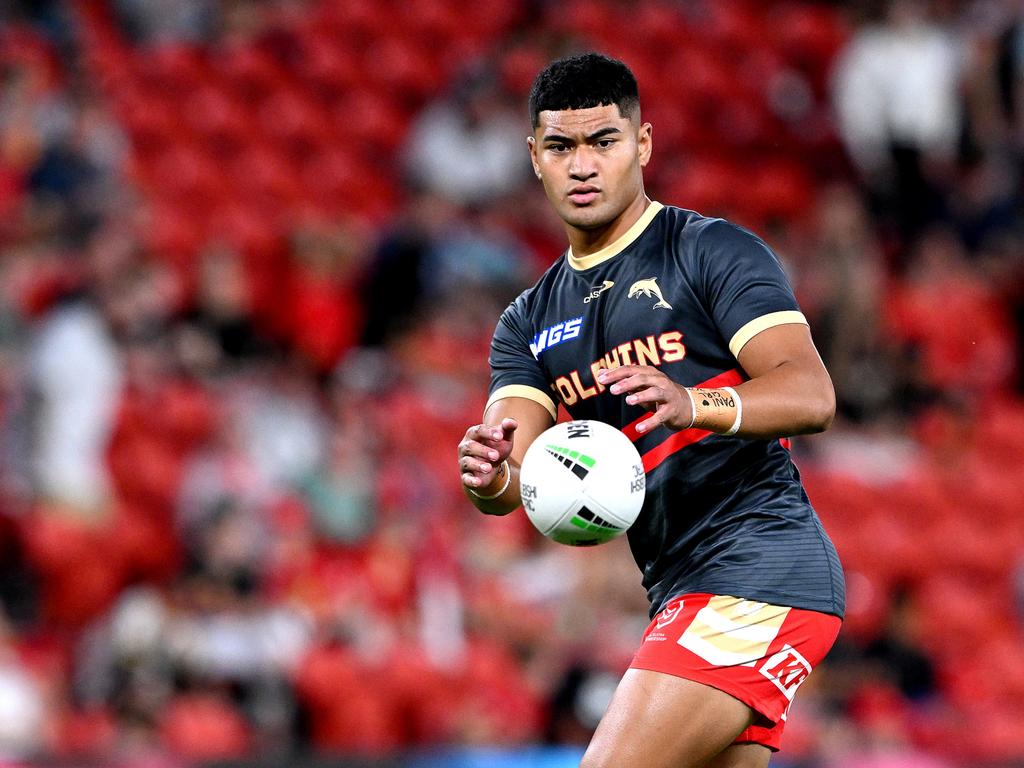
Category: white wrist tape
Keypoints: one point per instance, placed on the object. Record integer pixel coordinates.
(508, 480)
(693, 408)
(739, 412)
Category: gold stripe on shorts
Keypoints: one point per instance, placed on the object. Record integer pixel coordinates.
(730, 631)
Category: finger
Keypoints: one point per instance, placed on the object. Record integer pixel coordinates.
(608, 376)
(654, 421)
(479, 450)
(635, 382)
(646, 396)
(473, 465)
(508, 426)
(625, 371)
(474, 481)
(485, 433)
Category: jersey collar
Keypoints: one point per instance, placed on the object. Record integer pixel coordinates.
(615, 248)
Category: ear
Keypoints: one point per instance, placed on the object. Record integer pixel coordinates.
(532, 143)
(644, 143)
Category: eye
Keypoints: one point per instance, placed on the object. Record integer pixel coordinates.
(557, 148)
(605, 143)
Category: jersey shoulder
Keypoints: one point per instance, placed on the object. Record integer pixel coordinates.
(711, 233)
(714, 248)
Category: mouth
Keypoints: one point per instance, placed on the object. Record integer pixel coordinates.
(584, 194)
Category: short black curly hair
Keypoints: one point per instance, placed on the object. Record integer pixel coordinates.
(583, 81)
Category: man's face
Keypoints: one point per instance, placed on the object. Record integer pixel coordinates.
(590, 162)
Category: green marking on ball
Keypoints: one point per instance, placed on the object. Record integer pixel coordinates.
(583, 459)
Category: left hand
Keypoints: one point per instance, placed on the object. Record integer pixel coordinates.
(653, 391)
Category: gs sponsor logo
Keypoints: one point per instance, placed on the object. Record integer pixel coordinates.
(556, 334)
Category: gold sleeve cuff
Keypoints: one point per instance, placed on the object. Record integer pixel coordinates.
(763, 323)
(522, 390)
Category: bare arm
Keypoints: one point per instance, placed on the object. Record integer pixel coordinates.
(509, 427)
(789, 392)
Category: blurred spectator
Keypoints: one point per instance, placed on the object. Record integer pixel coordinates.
(845, 280)
(76, 375)
(898, 109)
(898, 651)
(167, 21)
(220, 325)
(471, 148)
(396, 279)
(23, 706)
(324, 311)
(476, 255)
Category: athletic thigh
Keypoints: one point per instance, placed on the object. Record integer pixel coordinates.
(656, 720)
(747, 755)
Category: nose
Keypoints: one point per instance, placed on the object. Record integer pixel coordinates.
(581, 165)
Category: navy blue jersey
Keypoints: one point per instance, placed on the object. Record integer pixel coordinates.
(683, 293)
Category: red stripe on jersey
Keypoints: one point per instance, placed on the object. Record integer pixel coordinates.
(679, 440)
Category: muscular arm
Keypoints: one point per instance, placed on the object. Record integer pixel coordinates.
(509, 427)
(789, 391)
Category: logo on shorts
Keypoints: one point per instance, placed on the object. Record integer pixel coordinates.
(786, 669)
(669, 615)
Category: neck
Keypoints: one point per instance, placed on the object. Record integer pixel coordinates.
(587, 241)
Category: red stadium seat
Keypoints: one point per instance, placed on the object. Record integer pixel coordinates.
(808, 36)
(731, 28)
(707, 184)
(173, 235)
(403, 68)
(204, 726)
(379, 132)
(173, 69)
(329, 65)
(262, 175)
(779, 189)
(295, 123)
(250, 73)
(216, 117)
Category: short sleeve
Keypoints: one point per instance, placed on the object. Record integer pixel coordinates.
(744, 286)
(515, 371)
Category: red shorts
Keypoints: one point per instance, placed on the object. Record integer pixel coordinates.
(755, 652)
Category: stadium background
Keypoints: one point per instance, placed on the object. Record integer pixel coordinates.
(251, 254)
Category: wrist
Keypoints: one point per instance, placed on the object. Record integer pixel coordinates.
(693, 407)
(717, 410)
(503, 469)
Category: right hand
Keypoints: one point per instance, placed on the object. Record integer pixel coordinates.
(482, 450)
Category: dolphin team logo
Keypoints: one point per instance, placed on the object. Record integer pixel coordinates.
(597, 291)
(650, 289)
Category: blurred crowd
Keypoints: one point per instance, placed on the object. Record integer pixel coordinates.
(251, 255)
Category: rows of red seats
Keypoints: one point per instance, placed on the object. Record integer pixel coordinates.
(950, 533)
(309, 118)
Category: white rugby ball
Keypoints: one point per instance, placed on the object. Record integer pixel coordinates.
(582, 483)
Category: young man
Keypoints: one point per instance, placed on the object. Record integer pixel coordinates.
(686, 335)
